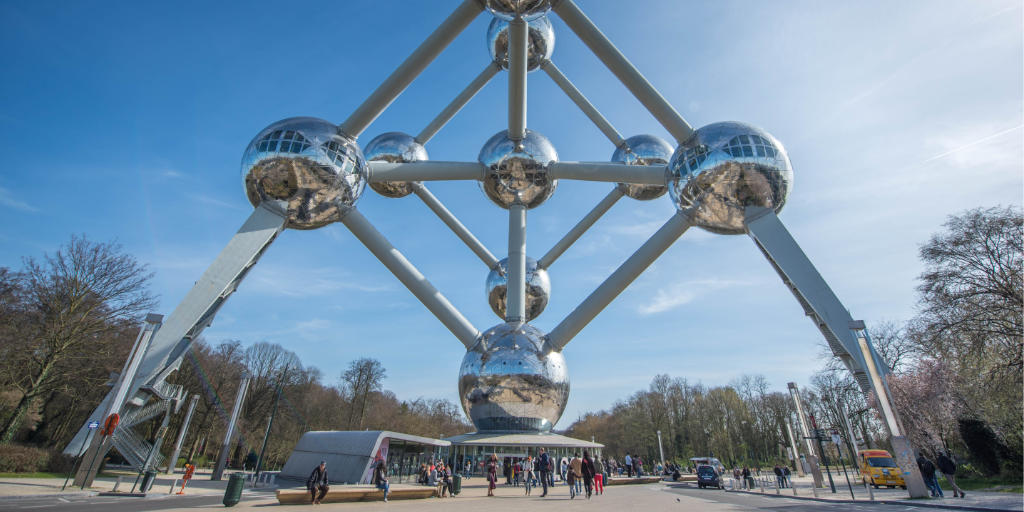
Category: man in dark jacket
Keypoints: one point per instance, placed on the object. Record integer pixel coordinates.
(928, 473)
(317, 483)
(543, 466)
(948, 468)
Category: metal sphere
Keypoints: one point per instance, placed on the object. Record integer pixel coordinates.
(305, 167)
(643, 150)
(510, 9)
(517, 172)
(538, 288)
(512, 381)
(394, 147)
(540, 45)
(724, 168)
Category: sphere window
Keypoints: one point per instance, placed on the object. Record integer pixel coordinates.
(337, 152)
(748, 146)
(284, 141)
(696, 156)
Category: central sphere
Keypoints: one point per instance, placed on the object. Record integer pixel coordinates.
(538, 288)
(539, 46)
(722, 169)
(517, 172)
(396, 148)
(305, 168)
(510, 9)
(643, 150)
(512, 381)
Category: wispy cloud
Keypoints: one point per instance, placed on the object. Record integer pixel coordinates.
(171, 173)
(967, 153)
(213, 201)
(675, 295)
(8, 199)
(299, 282)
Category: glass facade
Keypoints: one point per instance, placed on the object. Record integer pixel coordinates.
(471, 460)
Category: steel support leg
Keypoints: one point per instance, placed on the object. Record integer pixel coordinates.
(517, 47)
(619, 280)
(426, 170)
(581, 101)
(456, 105)
(515, 291)
(612, 172)
(400, 78)
(453, 223)
(410, 277)
(623, 69)
(581, 227)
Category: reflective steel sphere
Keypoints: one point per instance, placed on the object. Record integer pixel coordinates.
(511, 381)
(510, 9)
(394, 147)
(643, 150)
(518, 172)
(539, 46)
(725, 167)
(304, 166)
(538, 288)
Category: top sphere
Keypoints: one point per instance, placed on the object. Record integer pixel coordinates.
(306, 168)
(540, 43)
(511, 9)
(643, 150)
(724, 168)
(517, 172)
(394, 147)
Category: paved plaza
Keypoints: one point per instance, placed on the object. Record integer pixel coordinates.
(44, 494)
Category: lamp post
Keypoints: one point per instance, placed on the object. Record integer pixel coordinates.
(661, 451)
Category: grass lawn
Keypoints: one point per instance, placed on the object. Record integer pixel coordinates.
(1000, 484)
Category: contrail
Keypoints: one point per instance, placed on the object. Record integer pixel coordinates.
(971, 144)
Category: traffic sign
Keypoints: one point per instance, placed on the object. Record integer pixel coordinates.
(93, 425)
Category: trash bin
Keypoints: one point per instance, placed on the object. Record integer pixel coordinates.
(147, 481)
(456, 484)
(233, 492)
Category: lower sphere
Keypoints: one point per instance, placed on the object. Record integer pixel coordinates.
(517, 171)
(538, 288)
(512, 381)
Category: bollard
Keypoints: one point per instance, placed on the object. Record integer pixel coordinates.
(116, 484)
(814, 488)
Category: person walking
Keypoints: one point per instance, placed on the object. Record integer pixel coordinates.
(948, 469)
(564, 467)
(527, 473)
(928, 472)
(778, 477)
(628, 461)
(748, 481)
(639, 466)
(543, 470)
(589, 471)
(572, 477)
(318, 483)
(380, 479)
(492, 474)
(576, 467)
(599, 468)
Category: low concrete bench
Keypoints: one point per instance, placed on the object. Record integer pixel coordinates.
(352, 493)
(629, 481)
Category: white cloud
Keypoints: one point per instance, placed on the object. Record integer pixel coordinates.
(9, 200)
(675, 295)
(978, 146)
(171, 173)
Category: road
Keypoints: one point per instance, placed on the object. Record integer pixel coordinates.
(722, 500)
(119, 503)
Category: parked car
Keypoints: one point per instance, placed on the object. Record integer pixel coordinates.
(877, 468)
(708, 476)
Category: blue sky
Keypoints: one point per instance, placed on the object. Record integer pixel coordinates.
(127, 121)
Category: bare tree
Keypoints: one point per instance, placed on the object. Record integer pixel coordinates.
(70, 301)
(363, 376)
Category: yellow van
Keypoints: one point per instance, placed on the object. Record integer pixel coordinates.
(877, 467)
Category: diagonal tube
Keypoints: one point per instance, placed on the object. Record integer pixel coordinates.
(425, 170)
(453, 223)
(581, 227)
(410, 277)
(515, 290)
(581, 101)
(460, 101)
(624, 70)
(517, 48)
(408, 70)
(615, 172)
(619, 280)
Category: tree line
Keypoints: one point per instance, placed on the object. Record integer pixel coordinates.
(956, 372)
(68, 321)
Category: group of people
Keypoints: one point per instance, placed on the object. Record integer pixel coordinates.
(580, 473)
(630, 465)
(943, 463)
(437, 474)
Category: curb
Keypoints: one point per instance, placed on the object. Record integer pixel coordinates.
(57, 495)
(909, 503)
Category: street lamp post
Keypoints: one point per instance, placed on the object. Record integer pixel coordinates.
(661, 451)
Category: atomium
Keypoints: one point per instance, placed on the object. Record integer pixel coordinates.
(512, 381)
(538, 288)
(306, 168)
(304, 173)
(723, 169)
(394, 147)
(517, 171)
(540, 45)
(643, 150)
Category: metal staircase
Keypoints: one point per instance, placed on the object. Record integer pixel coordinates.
(134, 449)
